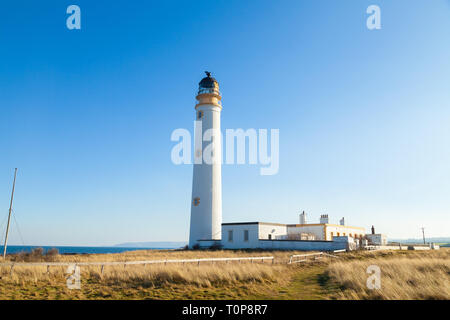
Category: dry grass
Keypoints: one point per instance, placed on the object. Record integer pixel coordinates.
(231, 280)
(405, 276)
(152, 275)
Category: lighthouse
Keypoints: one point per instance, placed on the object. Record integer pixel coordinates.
(206, 201)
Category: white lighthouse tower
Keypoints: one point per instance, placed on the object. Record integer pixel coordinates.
(206, 202)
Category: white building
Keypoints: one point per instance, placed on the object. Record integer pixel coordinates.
(326, 231)
(376, 238)
(264, 235)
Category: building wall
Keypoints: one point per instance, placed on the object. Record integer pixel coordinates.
(302, 245)
(315, 229)
(333, 230)
(258, 238)
(238, 241)
(276, 230)
(326, 231)
(206, 244)
(377, 239)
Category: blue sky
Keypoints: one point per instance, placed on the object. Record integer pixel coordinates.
(86, 115)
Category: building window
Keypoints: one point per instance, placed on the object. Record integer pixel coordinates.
(196, 201)
(270, 237)
(230, 235)
(338, 234)
(199, 115)
(245, 235)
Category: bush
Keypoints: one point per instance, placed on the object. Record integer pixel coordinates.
(22, 256)
(51, 254)
(34, 256)
(37, 252)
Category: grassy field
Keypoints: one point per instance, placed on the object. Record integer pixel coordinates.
(405, 275)
(415, 275)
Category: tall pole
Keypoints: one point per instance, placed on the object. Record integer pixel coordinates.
(423, 234)
(9, 216)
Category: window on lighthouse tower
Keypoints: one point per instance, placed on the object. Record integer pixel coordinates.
(199, 115)
(196, 201)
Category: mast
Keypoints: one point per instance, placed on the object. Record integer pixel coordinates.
(9, 216)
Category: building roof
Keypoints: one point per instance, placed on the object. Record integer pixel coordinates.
(247, 223)
(324, 224)
(208, 82)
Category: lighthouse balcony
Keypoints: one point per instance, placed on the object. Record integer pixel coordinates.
(216, 101)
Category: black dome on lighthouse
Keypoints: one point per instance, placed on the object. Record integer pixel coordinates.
(208, 81)
(208, 85)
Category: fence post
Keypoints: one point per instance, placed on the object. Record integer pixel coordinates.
(11, 270)
(48, 269)
(103, 267)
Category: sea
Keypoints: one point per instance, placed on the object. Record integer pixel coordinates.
(74, 250)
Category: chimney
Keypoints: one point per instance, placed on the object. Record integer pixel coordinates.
(303, 217)
(342, 222)
(324, 218)
(373, 230)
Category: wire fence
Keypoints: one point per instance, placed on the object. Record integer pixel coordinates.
(125, 263)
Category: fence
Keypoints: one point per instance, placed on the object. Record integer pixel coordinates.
(293, 259)
(125, 263)
(296, 258)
